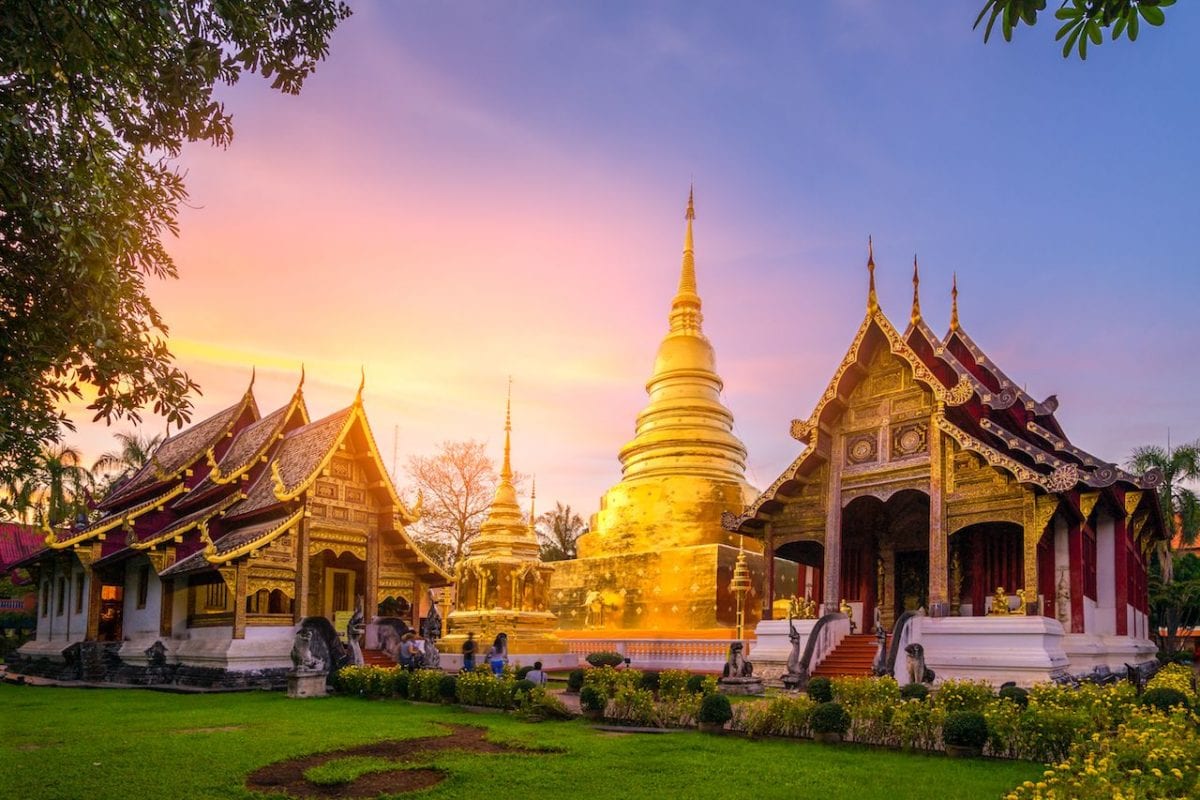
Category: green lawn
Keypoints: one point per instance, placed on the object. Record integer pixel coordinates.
(115, 743)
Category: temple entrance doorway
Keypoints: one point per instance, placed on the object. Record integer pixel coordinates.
(984, 557)
(885, 557)
(112, 609)
(337, 580)
(809, 559)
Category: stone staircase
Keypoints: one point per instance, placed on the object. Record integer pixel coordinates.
(854, 656)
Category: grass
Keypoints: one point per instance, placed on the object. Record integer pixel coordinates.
(344, 770)
(115, 743)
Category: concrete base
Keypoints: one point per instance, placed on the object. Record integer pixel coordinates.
(771, 648)
(52, 651)
(306, 684)
(1026, 650)
(1089, 653)
(214, 648)
(740, 686)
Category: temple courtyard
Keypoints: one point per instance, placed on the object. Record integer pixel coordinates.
(117, 743)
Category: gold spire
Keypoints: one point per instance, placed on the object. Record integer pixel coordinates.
(506, 468)
(685, 307)
(532, 512)
(916, 304)
(872, 299)
(954, 303)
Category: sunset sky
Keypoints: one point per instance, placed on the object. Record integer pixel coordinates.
(468, 191)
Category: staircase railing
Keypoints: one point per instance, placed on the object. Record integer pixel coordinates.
(901, 638)
(826, 635)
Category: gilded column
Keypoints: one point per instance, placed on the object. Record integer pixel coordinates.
(300, 604)
(833, 530)
(1075, 560)
(239, 598)
(768, 591)
(371, 590)
(94, 590)
(939, 592)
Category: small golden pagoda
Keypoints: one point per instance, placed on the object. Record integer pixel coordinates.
(503, 584)
(657, 557)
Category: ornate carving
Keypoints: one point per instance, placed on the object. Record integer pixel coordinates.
(990, 454)
(910, 439)
(1132, 499)
(800, 430)
(1062, 479)
(1151, 479)
(1087, 503)
(862, 448)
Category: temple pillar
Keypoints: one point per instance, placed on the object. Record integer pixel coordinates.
(1075, 560)
(92, 633)
(1121, 574)
(300, 606)
(166, 612)
(239, 598)
(418, 593)
(371, 590)
(1106, 593)
(768, 592)
(939, 592)
(833, 531)
(1036, 514)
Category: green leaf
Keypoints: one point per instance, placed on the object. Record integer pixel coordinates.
(1067, 26)
(1133, 27)
(1071, 41)
(1152, 14)
(1067, 12)
(1083, 40)
(1118, 27)
(1093, 30)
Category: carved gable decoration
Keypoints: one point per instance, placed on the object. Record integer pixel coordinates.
(862, 448)
(910, 439)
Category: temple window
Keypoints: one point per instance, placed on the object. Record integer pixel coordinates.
(62, 597)
(216, 597)
(79, 589)
(279, 603)
(46, 599)
(143, 586)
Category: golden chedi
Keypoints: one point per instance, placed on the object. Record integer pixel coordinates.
(502, 585)
(657, 558)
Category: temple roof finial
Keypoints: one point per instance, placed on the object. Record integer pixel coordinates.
(506, 467)
(916, 304)
(253, 375)
(362, 382)
(532, 512)
(872, 298)
(685, 307)
(954, 303)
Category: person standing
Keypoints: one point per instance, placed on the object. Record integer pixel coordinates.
(468, 653)
(498, 655)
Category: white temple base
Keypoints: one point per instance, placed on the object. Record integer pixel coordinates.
(1026, 650)
(1089, 652)
(263, 648)
(771, 648)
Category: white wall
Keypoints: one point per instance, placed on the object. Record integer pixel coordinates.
(1106, 578)
(141, 623)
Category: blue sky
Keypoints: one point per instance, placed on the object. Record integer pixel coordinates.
(464, 191)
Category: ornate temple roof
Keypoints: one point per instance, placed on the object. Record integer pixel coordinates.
(985, 412)
(181, 451)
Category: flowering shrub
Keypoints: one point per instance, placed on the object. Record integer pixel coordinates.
(673, 683)
(608, 680)
(870, 702)
(1105, 707)
(1152, 755)
(785, 715)
(1175, 676)
(679, 712)
(372, 682)
(634, 706)
(482, 689)
(425, 685)
(917, 724)
(963, 695)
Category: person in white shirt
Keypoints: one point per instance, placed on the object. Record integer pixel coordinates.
(536, 675)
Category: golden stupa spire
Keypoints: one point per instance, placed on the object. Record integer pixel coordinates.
(916, 304)
(954, 303)
(685, 307)
(506, 467)
(532, 512)
(872, 299)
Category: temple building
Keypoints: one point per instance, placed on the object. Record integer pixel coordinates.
(206, 559)
(929, 481)
(503, 585)
(657, 562)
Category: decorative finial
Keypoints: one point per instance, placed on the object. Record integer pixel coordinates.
(506, 468)
(872, 298)
(253, 376)
(954, 303)
(301, 376)
(916, 304)
(532, 512)
(362, 382)
(685, 308)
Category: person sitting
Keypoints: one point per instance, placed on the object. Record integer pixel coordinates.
(536, 675)
(407, 658)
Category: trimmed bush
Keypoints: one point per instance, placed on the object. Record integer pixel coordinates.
(592, 699)
(650, 681)
(965, 729)
(447, 688)
(525, 686)
(821, 690)
(1016, 694)
(400, 683)
(575, 680)
(1164, 697)
(914, 691)
(605, 658)
(695, 683)
(715, 709)
(829, 717)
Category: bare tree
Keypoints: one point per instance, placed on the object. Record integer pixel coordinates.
(458, 484)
